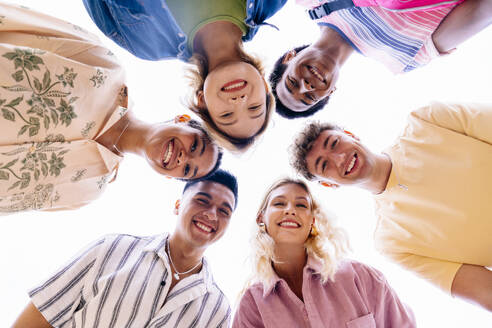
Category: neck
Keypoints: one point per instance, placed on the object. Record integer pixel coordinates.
(218, 42)
(134, 137)
(332, 45)
(289, 263)
(380, 176)
(183, 254)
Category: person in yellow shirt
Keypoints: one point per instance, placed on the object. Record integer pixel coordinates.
(432, 191)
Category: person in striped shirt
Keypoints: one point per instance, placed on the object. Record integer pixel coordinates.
(156, 281)
(304, 78)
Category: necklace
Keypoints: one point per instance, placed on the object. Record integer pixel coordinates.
(177, 273)
(119, 137)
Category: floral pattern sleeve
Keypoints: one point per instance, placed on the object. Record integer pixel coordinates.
(59, 90)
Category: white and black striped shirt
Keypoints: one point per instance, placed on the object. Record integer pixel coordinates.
(123, 281)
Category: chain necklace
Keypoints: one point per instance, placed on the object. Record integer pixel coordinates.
(177, 273)
(119, 137)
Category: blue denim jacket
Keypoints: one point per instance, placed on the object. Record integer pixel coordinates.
(147, 28)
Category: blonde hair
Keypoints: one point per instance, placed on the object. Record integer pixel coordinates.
(196, 74)
(329, 246)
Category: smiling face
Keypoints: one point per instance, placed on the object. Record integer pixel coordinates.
(179, 150)
(309, 77)
(288, 214)
(204, 212)
(235, 95)
(338, 158)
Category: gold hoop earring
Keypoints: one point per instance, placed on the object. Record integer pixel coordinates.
(262, 227)
(314, 231)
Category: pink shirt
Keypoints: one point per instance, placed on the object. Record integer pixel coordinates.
(360, 297)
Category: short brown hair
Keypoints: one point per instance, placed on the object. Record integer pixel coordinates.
(303, 144)
(197, 74)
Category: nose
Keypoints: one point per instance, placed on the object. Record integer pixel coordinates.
(238, 98)
(338, 158)
(290, 209)
(182, 157)
(305, 86)
(211, 213)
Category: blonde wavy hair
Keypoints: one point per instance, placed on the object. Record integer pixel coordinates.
(329, 246)
(197, 73)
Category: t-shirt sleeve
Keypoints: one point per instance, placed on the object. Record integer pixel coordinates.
(61, 295)
(437, 272)
(247, 314)
(385, 305)
(474, 120)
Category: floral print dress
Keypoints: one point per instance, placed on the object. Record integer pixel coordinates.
(59, 90)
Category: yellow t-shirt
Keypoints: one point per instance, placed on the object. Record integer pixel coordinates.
(436, 212)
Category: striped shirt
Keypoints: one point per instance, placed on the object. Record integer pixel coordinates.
(401, 40)
(123, 281)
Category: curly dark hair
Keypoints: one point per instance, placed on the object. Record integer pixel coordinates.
(223, 177)
(275, 77)
(303, 144)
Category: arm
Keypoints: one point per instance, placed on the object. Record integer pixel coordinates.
(463, 22)
(387, 309)
(31, 318)
(473, 120)
(473, 284)
(247, 314)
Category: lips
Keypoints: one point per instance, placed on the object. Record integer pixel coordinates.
(289, 224)
(169, 154)
(234, 86)
(317, 73)
(352, 164)
(203, 227)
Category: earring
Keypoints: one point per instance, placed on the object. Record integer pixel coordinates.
(314, 231)
(350, 134)
(176, 205)
(182, 118)
(327, 184)
(262, 227)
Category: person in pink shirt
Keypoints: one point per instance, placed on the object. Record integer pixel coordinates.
(301, 278)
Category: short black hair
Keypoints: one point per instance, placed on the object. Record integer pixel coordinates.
(196, 125)
(223, 177)
(275, 77)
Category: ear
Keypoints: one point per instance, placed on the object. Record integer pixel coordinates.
(200, 99)
(259, 219)
(350, 134)
(288, 56)
(176, 207)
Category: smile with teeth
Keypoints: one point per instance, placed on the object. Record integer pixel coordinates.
(169, 153)
(289, 224)
(351, 165)
(235, 85)
(203, 227)
(316, 73)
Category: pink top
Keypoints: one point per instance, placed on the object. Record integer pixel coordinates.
(360, 297)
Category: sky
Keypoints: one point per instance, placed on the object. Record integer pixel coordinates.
(369, 101)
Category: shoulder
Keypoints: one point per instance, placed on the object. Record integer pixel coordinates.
(360, 271)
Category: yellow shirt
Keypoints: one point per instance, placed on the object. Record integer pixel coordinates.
(436, 212)
(59, 90)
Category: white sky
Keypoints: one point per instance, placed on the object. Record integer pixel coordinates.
(370, 101)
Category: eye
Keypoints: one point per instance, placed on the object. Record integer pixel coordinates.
(225, 115)
(202, 201)
(186, 170)
(255, 107)
(278, 204)
(224, 211)
(334, 143)
(323, 167)
(310, 96)
(292, 81)
(301, 205)
(194, 145)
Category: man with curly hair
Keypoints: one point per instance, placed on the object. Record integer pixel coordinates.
(432, 191)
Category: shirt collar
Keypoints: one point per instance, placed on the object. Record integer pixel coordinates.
(313, 266)
(158, 246)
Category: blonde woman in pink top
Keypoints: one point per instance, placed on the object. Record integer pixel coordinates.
(300, 276)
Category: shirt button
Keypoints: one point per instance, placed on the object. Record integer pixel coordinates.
(181, 35)
(251, 5)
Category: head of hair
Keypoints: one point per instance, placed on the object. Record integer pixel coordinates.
(197, 73)
(223, 177)
(303, 144)
(329, 246)
(206, 137)
(275, 77)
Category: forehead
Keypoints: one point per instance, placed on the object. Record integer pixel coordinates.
(291, 191)
(217, 191)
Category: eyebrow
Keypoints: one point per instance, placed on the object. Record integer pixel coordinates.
(194, 172)
(326, 142)
(286, 86)
(316, 164)
(204, 194)
(301, 197)
(204, 144)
